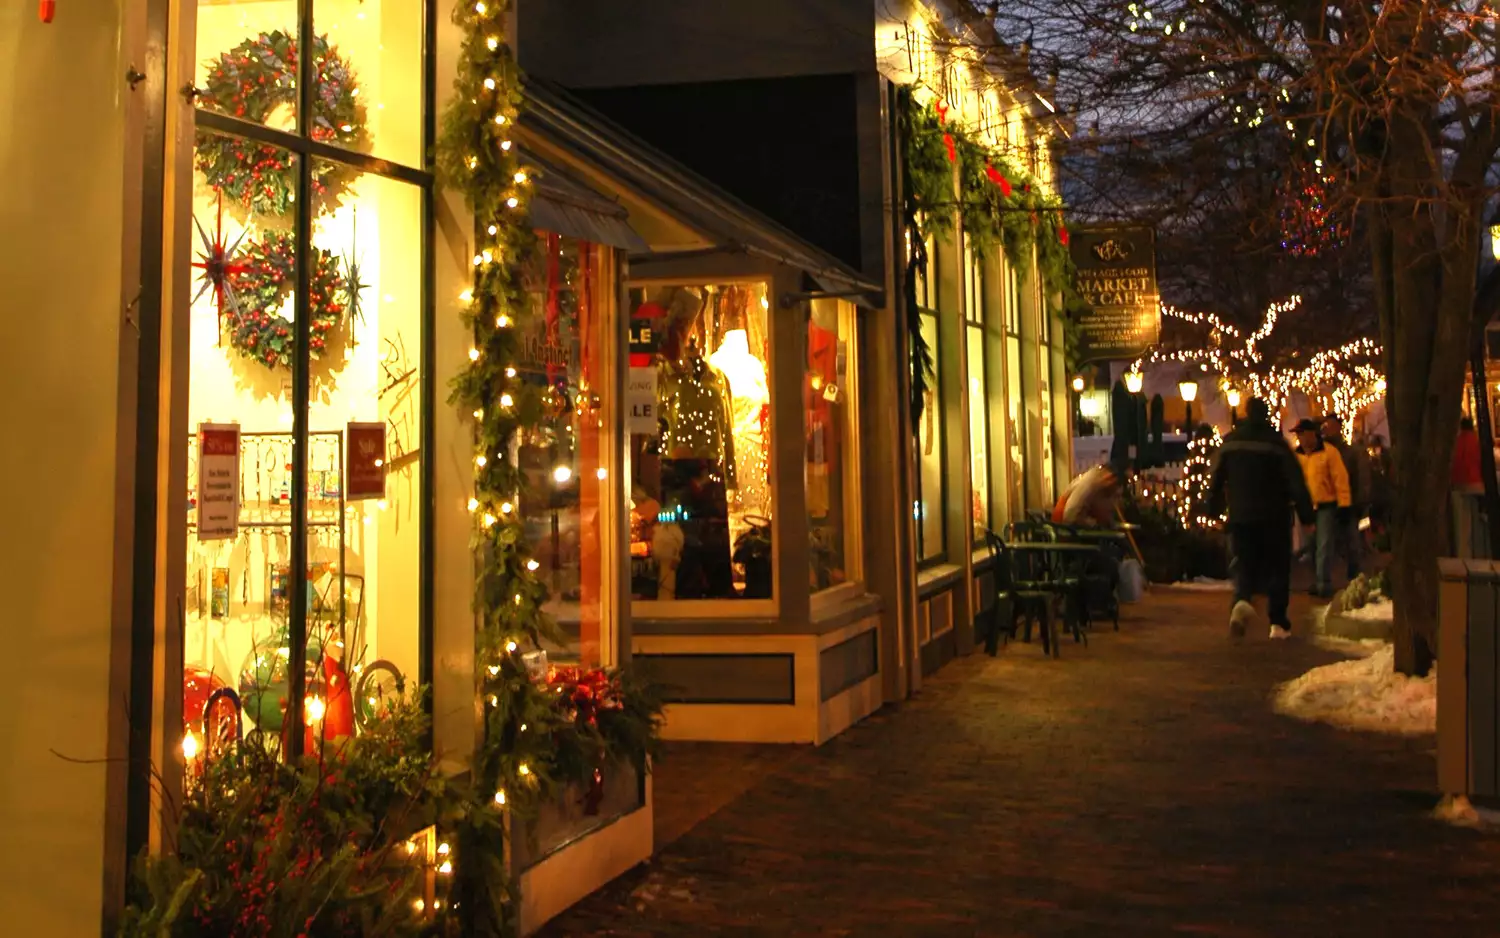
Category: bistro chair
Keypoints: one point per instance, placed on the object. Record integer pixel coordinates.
(1097, 575)
(1022, 590)
(1059, 571)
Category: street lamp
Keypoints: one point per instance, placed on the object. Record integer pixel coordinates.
(1189, 392)
(1233, 397)
(1078, 384)
(1134, 381)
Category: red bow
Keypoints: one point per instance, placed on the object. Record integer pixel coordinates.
(952, 152)
(942, 111)
(998, 179)
(586, 690)
(1062, 236)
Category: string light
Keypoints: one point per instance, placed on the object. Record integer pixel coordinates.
(1341, 380)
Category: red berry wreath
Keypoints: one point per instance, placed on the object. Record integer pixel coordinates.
(251, 81)
(257, 329)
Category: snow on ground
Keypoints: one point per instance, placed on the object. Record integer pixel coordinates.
(1460, 812)
(1205, 585)
(1380, 611)
(1353, 647)
(1362, 694)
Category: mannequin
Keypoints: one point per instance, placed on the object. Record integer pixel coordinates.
(750, 396)
(697, 467)
(692, 395)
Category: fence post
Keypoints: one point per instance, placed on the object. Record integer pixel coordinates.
(1453, 764)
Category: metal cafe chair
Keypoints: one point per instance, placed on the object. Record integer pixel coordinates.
(1021, 590)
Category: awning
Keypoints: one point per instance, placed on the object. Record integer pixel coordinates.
(565, 206)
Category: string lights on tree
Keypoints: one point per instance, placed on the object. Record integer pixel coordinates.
(1343, 380)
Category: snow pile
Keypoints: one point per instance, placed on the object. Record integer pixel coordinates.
(1363, 694)
(1353, 647)
(1378, 611)
(1460, 812)
(1205, 585)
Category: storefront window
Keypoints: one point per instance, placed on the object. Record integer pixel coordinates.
(979, 434)
(699, 419)
(1015, 428)
(929, 442)
(565, 504)
(338, 583)
(832, 477)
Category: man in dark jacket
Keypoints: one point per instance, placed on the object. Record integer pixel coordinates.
(1258, 480)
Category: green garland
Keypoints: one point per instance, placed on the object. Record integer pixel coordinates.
(536, 741)
(257, 330)
(253, 80)
(952, 177)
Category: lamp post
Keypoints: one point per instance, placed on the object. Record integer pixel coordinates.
(1189, 392)
(1233, 397)
(1078, 385)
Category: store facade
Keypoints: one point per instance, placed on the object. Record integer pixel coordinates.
(743, 358)
(824, 92)
(288, 495)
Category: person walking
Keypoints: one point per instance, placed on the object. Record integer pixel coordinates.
(1257, 480)
(1468, 487)
(1328, 484)
(1348, 537)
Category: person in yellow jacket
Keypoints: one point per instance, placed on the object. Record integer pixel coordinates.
(1328, 483)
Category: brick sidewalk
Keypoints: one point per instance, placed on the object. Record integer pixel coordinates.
(1140, 786)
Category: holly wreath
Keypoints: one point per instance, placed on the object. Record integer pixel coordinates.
(251, 81)
(263, 276)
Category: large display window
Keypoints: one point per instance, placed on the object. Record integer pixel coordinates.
(307, 405)
(979, 433)
(1015, 402)
(931, 523)
(832, 417)
(699, 420)
(927, 503)
(565, 504)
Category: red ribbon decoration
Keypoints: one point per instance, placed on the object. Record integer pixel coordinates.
(998, 179)
(942, 111)
(553, 309)
(952, 153)
(46, 10)
(1063, 237)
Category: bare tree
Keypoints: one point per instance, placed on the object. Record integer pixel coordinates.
(1390, 106)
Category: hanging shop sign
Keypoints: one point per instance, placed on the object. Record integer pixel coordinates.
(218, 481)
(366, 475)
(640, 402)
(1117, 279)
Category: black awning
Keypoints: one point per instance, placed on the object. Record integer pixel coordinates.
(565, 206)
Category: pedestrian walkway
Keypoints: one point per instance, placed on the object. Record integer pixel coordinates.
(1140, 786)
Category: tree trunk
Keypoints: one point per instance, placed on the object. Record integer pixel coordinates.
(1486, 433)
(1485, 302)
(1429, 263)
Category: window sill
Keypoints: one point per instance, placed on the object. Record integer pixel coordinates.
(936, 579)
(981, 559)
(848, 607)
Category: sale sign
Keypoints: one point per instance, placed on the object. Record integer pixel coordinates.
(640, 402)
(365, 477)
(218, 481)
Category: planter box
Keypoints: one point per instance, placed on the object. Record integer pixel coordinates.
(565, 854)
